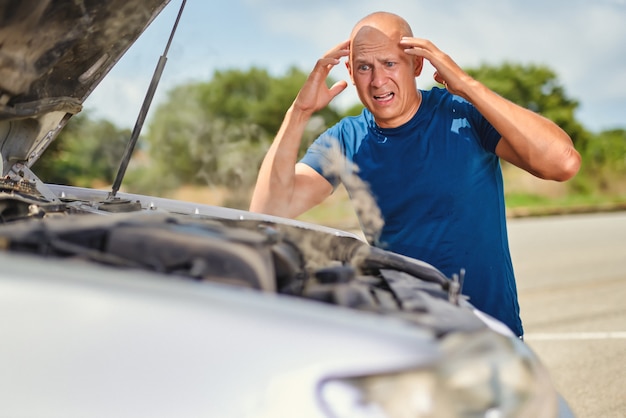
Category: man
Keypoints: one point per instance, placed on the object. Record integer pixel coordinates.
(430, 158)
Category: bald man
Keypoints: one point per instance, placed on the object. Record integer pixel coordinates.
(429, 157)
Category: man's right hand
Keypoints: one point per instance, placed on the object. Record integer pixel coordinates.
(314, 94)
(284, 187)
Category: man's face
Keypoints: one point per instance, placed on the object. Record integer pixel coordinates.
(384, 76)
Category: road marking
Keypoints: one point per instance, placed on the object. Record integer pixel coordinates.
(570, 336)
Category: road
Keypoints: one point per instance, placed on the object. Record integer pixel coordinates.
(571, 275)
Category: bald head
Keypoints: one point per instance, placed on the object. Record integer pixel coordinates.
(381, 69)
(388, 23)
(378, 30)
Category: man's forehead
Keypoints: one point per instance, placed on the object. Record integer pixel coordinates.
(365, 33)
(370, 39)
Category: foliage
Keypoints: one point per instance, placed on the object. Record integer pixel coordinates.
(534, 87)
(604, 164)
(353, 110)
(217, 132)
(608, 149)
(84, 151)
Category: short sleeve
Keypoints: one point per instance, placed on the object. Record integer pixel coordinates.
(320, 154)
(488, 136)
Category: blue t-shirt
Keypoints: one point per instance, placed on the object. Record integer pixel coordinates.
(438, 184)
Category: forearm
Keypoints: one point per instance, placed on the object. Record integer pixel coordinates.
(279, 191)
(275, 184)
(529, 140)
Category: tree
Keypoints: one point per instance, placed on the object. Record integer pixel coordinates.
(85, 151)
(605, 160)
(188, 144)
(608, 148)
(218, 132)
(535, 87)
(353, 110)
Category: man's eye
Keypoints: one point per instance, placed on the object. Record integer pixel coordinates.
(390, 64)
(364, 67)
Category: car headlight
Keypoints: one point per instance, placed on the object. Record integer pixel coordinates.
(480, 375)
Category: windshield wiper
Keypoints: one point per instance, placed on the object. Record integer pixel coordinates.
(130, 147)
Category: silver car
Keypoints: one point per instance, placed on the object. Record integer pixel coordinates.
(121, 305)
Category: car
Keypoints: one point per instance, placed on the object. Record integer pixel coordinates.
(119, 304)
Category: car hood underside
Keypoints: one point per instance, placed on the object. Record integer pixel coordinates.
(52, 55)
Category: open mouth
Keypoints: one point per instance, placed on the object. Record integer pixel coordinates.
(384, 97)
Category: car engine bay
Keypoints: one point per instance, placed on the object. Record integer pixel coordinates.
(253, 254)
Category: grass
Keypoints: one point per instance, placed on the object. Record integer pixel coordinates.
(524, 200)
(516, 200)
(525, 196)
(337, 211)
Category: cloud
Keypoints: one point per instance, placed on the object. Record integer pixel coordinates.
(582, 41)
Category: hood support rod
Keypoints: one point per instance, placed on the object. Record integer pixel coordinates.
(130, 147)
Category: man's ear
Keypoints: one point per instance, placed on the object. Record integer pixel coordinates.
(349, 67)
(419, 65)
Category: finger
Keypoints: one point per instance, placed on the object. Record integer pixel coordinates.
(331, 59)
(328, 61)
(343, 45)
(340, 50)
(415, 43)
(325, 65)
(424, 43)
(338, 87)
(408, 40)
(419, 47)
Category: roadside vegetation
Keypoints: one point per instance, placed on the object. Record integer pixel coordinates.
(205, 142)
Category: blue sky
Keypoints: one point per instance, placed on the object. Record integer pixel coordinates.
(583, 41)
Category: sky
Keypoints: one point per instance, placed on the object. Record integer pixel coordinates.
(582, 41)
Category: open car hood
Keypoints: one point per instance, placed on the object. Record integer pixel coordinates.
(52, 55)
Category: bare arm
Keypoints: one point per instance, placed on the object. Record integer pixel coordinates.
(529, 140)
(284, 187)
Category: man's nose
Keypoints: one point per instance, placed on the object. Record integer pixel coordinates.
(379, 78)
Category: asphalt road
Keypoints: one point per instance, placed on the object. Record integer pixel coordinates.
(571, 275)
